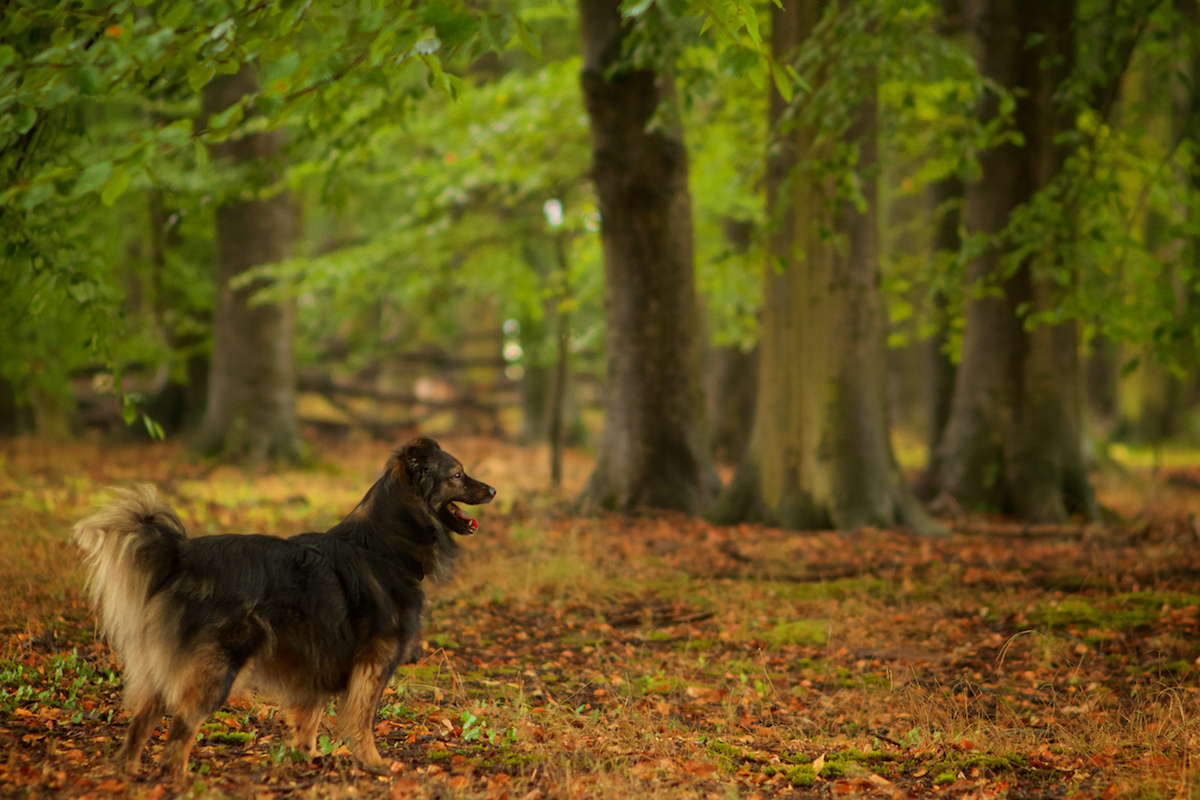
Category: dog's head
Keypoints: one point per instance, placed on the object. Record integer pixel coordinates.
(437, 477)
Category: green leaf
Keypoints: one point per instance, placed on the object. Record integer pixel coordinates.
(154, 44)
(458, 29)
(453, 27)
(199, 76)
(115, 186)
(177, 14)
(495, 30)
(219, 125)
(750, 20)
(782, 84)
(7, 55)
(528, 38)
(737, 61)
(88, 80)
(93, 177)
(284, 67)
(37, 194)
(375, 77)
(83, 292)
(270, 105)
(797, 78)
(631, 9)
(59, 93)
(177, 133)
(53, 175)
(154, 429)
(223, 27)
(24, 120)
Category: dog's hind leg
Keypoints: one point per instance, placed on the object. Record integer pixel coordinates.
(304, 719)
(180, 738)
(146, 714)
(205, 683)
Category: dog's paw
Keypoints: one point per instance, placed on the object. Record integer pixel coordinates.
(377, 769)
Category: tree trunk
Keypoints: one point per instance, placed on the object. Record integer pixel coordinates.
(1013, 440)
(556, 429)
(730, 384)
(535, 385)
(251, 411)
(653, 450)
(946, 198)
(821, 453)
(945, 207)
(731, 374)
(179, 406)
(16, 417)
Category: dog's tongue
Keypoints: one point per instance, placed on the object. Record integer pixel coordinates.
(472, 524)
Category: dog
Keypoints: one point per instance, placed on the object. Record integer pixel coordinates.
(303, 618)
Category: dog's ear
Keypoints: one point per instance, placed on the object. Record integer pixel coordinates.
(414, 465)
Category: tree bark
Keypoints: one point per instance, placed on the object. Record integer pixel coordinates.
(730, 384)
(944, 195)
(556, 429)
(731, 374)
(179, 406)
(251, 411)
(821, 455)
(1013, 439)
(16, 417)
(653, 450)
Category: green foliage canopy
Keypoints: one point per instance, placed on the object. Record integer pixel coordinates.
(98, 98)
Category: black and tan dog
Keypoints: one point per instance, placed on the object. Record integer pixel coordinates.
(304, 618)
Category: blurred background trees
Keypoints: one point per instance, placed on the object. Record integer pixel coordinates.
(961, 237)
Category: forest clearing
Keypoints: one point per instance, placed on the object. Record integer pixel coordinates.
(836, 363)
(655, 654)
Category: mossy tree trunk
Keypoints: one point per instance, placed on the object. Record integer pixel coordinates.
(1013, 439)
(653, 449)
(251, 413)
(820, 455)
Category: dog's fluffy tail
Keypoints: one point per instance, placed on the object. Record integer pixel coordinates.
(130, 548)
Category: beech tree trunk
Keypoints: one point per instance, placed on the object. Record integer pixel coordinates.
(653, 450)
(942, 370)
(821, 455)
(1013, 440)
(179, 406)
(730, 384)
(731, 374)
(251, 412)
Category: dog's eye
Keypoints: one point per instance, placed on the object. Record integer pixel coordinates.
(456, 476)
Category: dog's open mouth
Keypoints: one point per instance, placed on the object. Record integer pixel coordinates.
(462, 523)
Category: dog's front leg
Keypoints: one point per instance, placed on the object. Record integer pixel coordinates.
(304, 719)
(356, 711)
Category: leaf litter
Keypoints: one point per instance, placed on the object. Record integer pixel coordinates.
(655, 654)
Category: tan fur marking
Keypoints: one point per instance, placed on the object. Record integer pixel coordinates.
(304, 721)
(178, 749)
(145, 717)
(202, 688)
(356, 711)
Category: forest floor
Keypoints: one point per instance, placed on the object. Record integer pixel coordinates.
(655, 655)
